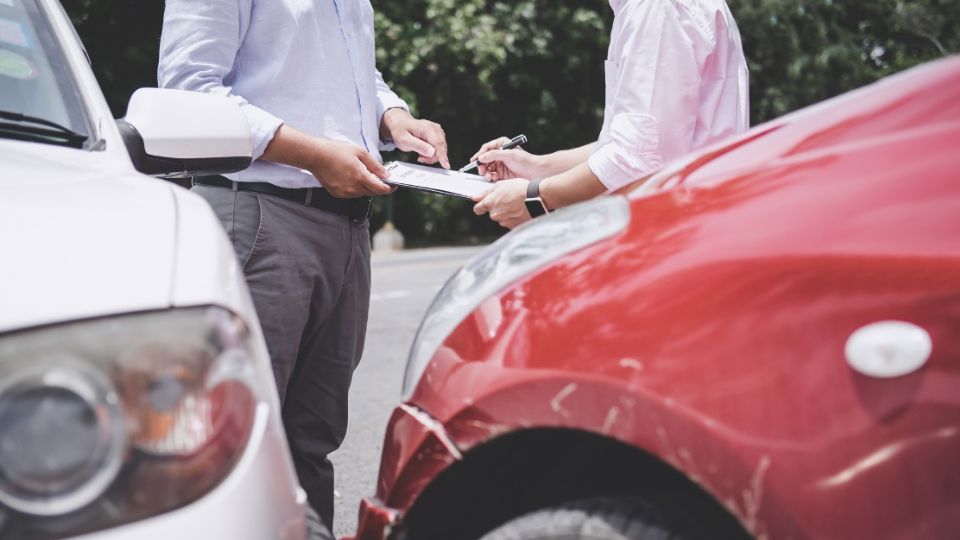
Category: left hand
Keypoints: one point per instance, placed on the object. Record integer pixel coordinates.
(412, 135)
(506, 203)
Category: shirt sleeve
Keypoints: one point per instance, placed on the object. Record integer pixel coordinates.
(387, 100)
(198, 49)
(655, 101)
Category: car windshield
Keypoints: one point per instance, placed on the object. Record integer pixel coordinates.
(39, 100)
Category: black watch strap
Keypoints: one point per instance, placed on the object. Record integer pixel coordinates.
(533, 188)
(535, 204)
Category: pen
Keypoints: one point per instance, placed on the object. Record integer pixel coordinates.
(513, 143)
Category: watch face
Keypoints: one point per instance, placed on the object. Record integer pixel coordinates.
(535, 207)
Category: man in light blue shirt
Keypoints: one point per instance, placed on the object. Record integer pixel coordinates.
(304, 73)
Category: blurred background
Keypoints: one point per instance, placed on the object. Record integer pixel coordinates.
(484, 68)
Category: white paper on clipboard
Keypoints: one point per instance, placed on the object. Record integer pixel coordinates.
(436, 180)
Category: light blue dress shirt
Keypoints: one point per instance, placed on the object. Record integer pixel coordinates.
(309, 64)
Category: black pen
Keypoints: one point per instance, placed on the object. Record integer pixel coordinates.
(513, 143)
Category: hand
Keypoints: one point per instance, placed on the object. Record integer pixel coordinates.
(506, 203)
(412, 135)
(348, 171)
(496, 164)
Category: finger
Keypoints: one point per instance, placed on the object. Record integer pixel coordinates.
(376, 187)
(485, 205)
(495, 144)
(440, 144)
(412, 143)
(503, 157)
(482, 196)
(501, 169)
(435, 136)
(372, 165)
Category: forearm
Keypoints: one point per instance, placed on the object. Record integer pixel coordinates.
(570, 187)
(564, 160)
(295, 148)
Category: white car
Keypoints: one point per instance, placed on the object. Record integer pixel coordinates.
(136, 395)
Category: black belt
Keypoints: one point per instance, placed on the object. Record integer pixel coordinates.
(355, 209)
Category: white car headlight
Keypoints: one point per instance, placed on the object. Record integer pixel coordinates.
(117, 419)
(510, 258)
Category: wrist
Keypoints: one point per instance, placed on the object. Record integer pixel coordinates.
(546, 185)
(536, 206)
(544, 165)
(324, 149)
(391, 118)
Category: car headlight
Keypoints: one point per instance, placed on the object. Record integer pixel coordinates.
(510, 258)
(112, 420)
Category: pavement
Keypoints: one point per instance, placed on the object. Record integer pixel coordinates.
(404, 284)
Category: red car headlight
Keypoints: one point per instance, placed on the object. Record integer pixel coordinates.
(517, 254)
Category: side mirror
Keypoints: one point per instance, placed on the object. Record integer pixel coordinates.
(178, 134)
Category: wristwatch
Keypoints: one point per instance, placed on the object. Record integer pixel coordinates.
(535, 204)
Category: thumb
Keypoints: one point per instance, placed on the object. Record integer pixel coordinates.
(372, 164)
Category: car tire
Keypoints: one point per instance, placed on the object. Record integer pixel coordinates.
(598, 519)
(316, 530)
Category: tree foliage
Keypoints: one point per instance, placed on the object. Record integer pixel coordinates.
(485, 68)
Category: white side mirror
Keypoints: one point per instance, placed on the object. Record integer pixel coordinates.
(177, 134)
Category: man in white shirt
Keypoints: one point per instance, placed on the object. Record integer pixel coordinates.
(676, 81)
(304, 74)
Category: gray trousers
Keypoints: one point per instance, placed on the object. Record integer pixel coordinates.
(309, 274)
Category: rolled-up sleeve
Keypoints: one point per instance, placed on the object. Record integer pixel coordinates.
(655, 98)
(198, 49)
(386, 100)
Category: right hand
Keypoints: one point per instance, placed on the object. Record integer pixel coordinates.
(497, 164)
(348, 171)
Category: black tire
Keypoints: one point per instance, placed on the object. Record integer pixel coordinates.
(598, 519)
(316, 530)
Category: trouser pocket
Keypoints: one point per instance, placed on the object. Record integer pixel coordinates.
(241, 215)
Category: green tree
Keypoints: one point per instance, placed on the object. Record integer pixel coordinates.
(804, 51)
(122, 39)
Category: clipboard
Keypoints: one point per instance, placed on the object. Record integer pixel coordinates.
(436, 180)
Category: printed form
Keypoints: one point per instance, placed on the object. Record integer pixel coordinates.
(436, 180)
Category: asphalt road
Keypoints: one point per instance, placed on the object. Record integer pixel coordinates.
(404, 284)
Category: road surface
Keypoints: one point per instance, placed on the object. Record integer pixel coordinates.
(404, 284)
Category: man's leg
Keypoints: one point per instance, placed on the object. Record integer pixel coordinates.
(309, 275)
(268, 238)
(315, 412)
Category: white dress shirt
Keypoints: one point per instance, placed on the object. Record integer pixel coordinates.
(307, 63)
(676, 81)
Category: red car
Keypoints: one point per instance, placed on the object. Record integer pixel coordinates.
(762, 341)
